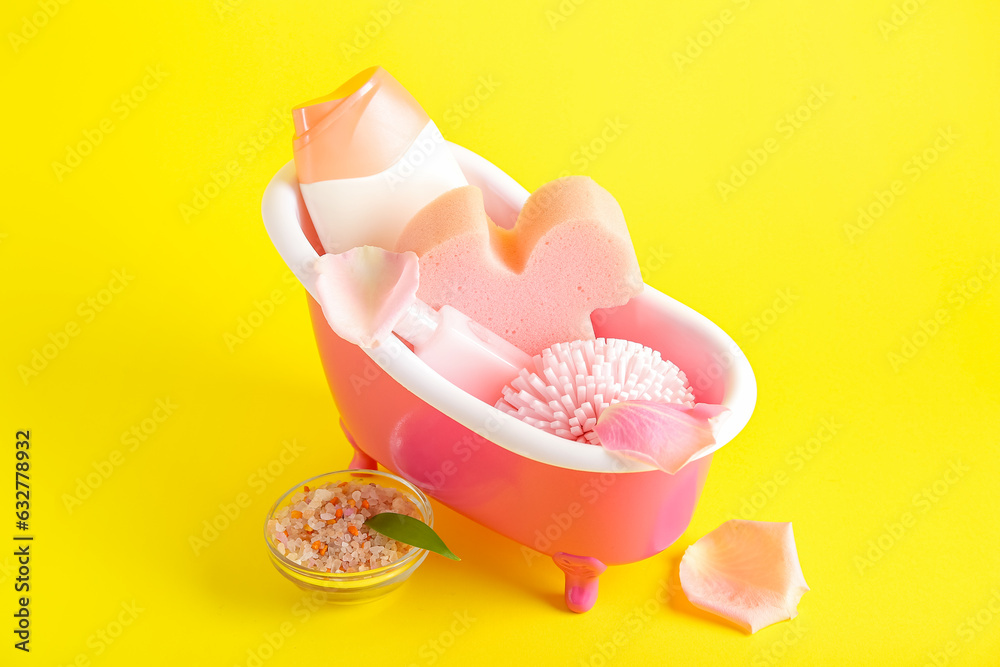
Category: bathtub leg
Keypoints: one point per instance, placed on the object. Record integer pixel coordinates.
(581, 579)
(361, 461)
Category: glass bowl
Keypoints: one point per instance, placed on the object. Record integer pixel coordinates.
(353, 587)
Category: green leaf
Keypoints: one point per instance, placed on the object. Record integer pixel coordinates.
(410, 531)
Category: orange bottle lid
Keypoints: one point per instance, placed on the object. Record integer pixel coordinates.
(360, 129)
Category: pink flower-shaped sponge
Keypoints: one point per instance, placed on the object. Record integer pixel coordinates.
(746, 571)
(536, 284)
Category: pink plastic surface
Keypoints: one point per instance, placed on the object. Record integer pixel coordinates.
(581, 580)
(544, 507)
(578, 517)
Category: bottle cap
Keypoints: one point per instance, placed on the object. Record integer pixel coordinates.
(360, 129)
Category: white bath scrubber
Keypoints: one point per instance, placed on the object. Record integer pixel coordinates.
(572, 383)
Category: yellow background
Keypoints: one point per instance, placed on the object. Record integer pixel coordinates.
(819, 304)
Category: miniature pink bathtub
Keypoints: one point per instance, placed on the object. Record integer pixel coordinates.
(578, 503)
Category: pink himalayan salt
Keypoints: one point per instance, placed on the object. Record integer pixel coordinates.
(344, 552)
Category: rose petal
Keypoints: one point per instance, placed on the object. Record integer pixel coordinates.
(365, 291)
(666, 435)
(746, 571)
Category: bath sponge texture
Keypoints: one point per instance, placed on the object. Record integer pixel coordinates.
(568, 254)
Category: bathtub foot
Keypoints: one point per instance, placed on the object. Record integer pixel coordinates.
(581, 579)
(361, 461)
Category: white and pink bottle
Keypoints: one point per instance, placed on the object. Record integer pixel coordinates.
(368, 157)
(463, 351)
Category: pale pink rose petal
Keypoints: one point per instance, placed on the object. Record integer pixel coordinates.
(365, 291)
(666, 435)
(746, 571)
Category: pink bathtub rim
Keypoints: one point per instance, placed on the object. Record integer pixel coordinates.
(728, 368)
